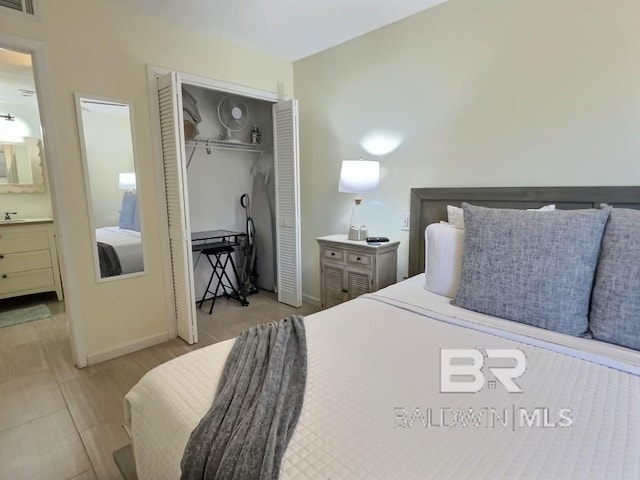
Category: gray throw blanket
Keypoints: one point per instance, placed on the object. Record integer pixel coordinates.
(245, 433)
(109, 261)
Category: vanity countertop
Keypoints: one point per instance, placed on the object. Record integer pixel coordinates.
(24, 221)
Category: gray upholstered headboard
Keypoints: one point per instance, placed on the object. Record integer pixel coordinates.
(429, 205)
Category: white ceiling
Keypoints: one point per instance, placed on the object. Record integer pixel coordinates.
(291, 29)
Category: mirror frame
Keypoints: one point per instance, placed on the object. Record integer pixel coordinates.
(37, 172)
(87, 183)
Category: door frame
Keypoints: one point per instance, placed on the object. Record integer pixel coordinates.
(153, 72)
(55, 179)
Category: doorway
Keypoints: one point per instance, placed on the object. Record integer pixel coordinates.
(173, 179)
(26, 96)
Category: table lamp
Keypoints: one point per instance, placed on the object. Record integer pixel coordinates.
(358, 176)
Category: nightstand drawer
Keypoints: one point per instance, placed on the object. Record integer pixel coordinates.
(360, 259)
(337, 255)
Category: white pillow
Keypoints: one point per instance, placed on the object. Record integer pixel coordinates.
(444, 245)
(546, 208)
(456, 217)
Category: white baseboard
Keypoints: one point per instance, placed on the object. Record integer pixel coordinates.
(126, 348)
(312, 300)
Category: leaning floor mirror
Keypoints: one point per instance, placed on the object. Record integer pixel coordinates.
(108, 154)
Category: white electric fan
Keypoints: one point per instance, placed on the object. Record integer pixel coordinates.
(234, 116)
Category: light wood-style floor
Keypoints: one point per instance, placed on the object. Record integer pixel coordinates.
(58, 422)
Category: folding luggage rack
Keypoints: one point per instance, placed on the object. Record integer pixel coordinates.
(218, 247)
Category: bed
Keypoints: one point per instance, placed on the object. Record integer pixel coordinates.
(120, 246)
(376, 404)
(127, 245)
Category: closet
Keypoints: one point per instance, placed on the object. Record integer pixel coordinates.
(208, 167)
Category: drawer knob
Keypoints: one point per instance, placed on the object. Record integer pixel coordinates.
(4, 276)
(358, 258)
(344, 290)
(1, 257)
(332, 254)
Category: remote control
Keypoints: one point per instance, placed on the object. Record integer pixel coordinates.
(377, 239)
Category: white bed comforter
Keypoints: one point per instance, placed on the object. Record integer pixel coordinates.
(127, 244)
(373, 407)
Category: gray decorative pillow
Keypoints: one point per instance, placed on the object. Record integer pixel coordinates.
(531, 267)
(615, 300)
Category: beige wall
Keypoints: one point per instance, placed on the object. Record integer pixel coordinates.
(102, 48)
(490, 93)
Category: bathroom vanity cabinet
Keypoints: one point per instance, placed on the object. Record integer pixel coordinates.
(28, 258)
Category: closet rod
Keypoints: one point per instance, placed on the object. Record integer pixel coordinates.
(222, 144)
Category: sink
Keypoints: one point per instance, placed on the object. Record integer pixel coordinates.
(15, 220)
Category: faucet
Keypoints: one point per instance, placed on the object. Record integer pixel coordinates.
(7, 215)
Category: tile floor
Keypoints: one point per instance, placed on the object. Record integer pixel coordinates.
(59, 422)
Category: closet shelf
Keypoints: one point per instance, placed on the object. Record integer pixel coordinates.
(223, 144)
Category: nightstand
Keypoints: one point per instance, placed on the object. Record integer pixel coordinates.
(349, 269)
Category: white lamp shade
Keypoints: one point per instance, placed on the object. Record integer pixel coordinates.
(359, 176)
(127, 181)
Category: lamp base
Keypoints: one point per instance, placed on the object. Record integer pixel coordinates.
(357, 234)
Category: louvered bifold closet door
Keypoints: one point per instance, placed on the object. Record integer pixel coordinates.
(285, 146)
(175, 175)
(25, 6)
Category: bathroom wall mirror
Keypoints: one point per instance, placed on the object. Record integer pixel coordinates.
(108, 154)
(21, 166)
(21, 152)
